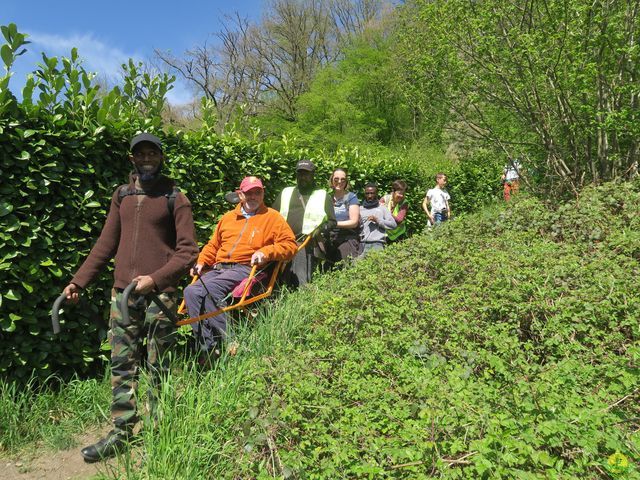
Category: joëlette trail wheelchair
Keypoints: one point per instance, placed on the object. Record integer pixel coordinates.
(258, 285)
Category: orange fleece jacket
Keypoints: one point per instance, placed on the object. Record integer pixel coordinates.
(236, 238)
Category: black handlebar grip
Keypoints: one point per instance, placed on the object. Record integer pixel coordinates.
(124, 303)
(55, 311)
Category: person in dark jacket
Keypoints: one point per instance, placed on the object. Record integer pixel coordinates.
(377, 221)
(149, 231)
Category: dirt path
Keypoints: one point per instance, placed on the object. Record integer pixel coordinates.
(55, 465)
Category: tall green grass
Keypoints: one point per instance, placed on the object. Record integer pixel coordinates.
(53, 415)
(199, 408)
(207, 417)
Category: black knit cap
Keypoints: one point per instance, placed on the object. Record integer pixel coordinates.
(145, 137)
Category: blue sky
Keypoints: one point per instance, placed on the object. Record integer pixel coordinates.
(107, 34)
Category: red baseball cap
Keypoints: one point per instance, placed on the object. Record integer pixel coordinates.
(249, 183)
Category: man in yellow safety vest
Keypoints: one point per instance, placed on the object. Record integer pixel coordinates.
(307, 210)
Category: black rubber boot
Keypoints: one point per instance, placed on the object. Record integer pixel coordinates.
(116, 441)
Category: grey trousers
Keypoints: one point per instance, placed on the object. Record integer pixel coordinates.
(369, 246)
(298, 272)
(218, 284)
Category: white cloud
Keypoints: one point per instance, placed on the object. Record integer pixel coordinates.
(95, 55)
(180, 94)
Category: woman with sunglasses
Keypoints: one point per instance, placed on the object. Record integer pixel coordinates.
(345, 238)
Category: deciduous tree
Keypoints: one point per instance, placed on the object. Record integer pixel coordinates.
(555, 81)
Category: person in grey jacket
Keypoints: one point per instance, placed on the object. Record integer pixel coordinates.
(376, 220)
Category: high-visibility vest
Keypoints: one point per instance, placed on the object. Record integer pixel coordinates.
(400, 229)
(314, 213)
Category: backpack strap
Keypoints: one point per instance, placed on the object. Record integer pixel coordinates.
(124, 191)
(171, 200)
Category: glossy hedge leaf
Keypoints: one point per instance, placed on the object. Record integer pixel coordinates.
(5, 208)
(7, 55)
(11, 295)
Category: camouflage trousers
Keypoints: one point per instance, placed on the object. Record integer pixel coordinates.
(148, 332)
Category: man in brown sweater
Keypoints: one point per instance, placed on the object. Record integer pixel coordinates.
(150, 232)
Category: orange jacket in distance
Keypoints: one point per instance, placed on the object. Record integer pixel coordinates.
(237, 238)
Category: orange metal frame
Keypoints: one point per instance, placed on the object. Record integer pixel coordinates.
(244, 301)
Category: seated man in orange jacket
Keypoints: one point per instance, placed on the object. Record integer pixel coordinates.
(250, 234)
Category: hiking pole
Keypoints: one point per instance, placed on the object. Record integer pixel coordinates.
(204, 285)
(182, 308)
(124, 304)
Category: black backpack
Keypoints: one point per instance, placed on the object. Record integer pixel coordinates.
(124, 191)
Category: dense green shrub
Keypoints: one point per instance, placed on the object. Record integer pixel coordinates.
(504, 345)
(475, 181)
(60, 157)
(49, 218)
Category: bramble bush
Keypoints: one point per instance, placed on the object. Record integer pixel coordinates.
(502, 345)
